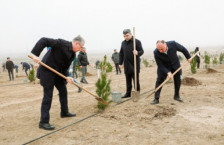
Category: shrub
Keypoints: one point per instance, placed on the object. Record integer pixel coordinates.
(215, 60)
(105, 65)
(193, 65)
(31, 76)
(207, 59)
(145, 62)
(221, 58)
(103, 84)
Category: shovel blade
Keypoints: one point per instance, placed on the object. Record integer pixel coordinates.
(135, 95)
(101, 100)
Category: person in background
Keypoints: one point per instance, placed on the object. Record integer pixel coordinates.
(197, 57)
(10, 66)
(83, 62)
(3, 66)
(16, 67)
(115, 58)
(97, 63)
(70, 72)
(25, 66)
(74, 68)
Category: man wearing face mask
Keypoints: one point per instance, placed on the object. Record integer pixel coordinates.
(167, 61)
(127, 57)
(59, 57)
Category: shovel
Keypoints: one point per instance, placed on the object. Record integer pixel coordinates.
(61, 75)
(167, 79)
(135, 94)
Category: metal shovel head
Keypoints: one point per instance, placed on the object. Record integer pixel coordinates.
(135, 95)
(101, 100)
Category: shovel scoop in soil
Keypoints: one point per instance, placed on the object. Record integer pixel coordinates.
(135, 95)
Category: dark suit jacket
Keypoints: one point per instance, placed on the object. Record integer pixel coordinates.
(26, 66)
(126, 55)
(82, 59)
(168, 62)
(9, 65)
(59, 57)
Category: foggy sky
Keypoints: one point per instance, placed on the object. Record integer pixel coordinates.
(101, 22)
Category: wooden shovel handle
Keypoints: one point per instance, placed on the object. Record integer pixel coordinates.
(173, 74)
(135, 69)
(61, 75)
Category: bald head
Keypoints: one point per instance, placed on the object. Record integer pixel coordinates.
(161, 46)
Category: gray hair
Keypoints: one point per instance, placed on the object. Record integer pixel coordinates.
(160, 41)
(126, 31)
(79, 39)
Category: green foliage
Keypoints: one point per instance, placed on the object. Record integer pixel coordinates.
(78, 68)
(105, 65)
(193, 65)
(31, 76)
(221, 58)
(207, 59)
(109, 67)
(103, 85)
(145, 62)
(215, 60)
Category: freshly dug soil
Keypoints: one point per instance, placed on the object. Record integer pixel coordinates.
(210, 70)
(188, 81)
(88, 74)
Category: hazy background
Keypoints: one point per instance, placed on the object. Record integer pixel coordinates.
(101, 22)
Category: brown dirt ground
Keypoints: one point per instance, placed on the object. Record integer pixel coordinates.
(210, 70)
(199, 120)
(190, 81)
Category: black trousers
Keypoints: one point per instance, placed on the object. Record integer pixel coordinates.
(47, 99)
(161, 77)
(198, 61)
(26, 69)
(129, 78)
(11, 76)
(117, 68)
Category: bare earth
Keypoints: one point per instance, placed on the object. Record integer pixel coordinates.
(199, 120)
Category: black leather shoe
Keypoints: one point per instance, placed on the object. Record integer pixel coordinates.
(67, 115)
(46, 126)
(126, 96)
(155, 101)
(80, 90)
(85, 82)
(178, 99)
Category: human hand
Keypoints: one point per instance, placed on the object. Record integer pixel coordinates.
(36, 59)
(120, 66)
(189, 60)
(135, 52)
(169, 74)
(80, 66)
(69, 80)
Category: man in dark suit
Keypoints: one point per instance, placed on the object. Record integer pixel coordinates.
(167, 61)
(10, 66)
(127, 57)
(59, 57)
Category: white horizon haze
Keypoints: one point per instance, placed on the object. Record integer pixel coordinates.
(192, 23)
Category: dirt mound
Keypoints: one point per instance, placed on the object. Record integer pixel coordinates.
(22, 76)
(210, 70)
(188, 81)
(88, 74)
(161, 112)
